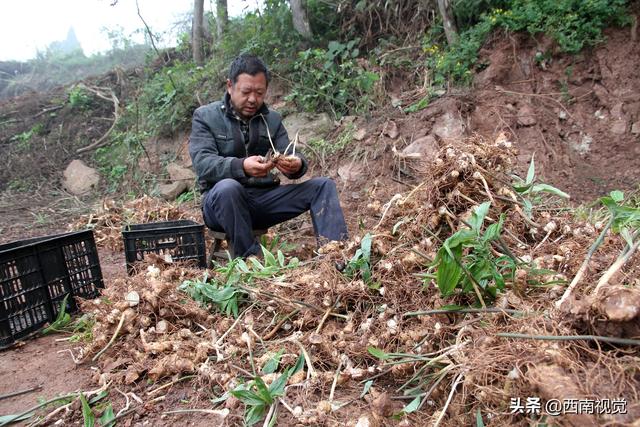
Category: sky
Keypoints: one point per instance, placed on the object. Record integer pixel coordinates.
(27, 26)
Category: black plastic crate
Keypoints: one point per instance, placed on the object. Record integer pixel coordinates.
(35, 276)
(183, 240)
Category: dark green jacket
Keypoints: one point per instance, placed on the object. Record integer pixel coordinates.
(217, 147)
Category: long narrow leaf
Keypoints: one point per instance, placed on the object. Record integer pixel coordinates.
(531, 173)
(87, 413)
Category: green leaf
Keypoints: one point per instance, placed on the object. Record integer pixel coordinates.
(376, 352)
(269, 259)
(365, 245)
(627, 236)
(62, 320)
(220, 399)
(247, 397)
(95, 399)
(272, 364)
(479, 422)
(9, 419)
(107, 416)
(531, 173)
(478, 215)
(277, 387)
(263, 390)
(617, 196)
(493, 231)
(87, 413)
(413, 405)
(546, 188)
(366, 388)
(298, 366)
(281, 259)
(254, 414)
(449, 271)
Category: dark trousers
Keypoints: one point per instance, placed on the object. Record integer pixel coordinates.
(238, 210)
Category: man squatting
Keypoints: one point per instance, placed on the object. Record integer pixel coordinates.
(229, 146)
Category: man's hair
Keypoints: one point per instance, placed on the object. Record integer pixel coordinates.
(247, 63)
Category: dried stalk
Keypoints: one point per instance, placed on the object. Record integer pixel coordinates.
(113, 338)
(616, 266)
(585, 265)
(597, 338)
(451, 393)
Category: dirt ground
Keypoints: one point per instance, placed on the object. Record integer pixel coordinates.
(576, 114)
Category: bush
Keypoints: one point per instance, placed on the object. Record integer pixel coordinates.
(573, 24)
(332, 80)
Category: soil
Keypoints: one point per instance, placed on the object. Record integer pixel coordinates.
(575, 113)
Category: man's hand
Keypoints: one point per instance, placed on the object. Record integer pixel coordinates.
(289, 165)
(257, 166)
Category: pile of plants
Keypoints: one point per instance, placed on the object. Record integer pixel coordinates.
(470, 291)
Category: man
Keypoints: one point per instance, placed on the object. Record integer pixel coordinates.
(229, 145)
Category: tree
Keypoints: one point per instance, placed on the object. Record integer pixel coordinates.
(222, 18)
(450, 29)
(300, 18)
(198, 17)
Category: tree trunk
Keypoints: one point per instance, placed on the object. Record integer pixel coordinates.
(450, 29)
(198, 16)
(222, 18)
(300, 18)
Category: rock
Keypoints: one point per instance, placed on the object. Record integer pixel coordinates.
(350, 171)
(449, 126)
(616, 111)
(310, 126)
(173, 190)
(80, 179)
(602, 94)
(584, 146)
(526, 116)
(359, 134)
(619, 127)
(621, 304)
(180, 173)
(635, 128)
(382, 405)
(426, 146)
(391, 130)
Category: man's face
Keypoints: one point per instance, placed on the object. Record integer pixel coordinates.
(247, 93)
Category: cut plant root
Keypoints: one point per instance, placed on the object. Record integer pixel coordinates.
(378, 336)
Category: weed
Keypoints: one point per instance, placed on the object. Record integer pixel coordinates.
(530, 191)
(360, 263)
(80, 98)
(572, 24)
(225, 290)
(322, 148)
(62, 320)
(465, 259)
(258, 397)
(332, 80)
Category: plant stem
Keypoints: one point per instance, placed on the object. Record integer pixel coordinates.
(35, 408)
(278, 325)
(616, 266)
(446, 405)
(585, 264)
(113, 338)
(614, 340)
(463, 311)
(149, 393)
(18, 393)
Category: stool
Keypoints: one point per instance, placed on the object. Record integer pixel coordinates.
(216, 246)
